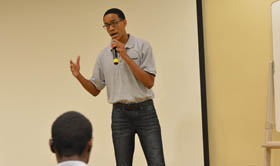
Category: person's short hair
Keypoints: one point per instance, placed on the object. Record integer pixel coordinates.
(115, 11)
(71, 133)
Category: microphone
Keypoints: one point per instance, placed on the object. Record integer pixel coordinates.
(115, 55)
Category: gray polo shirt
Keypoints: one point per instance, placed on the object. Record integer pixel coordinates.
(122, 85)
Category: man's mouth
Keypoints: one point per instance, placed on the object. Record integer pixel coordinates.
(114, 35)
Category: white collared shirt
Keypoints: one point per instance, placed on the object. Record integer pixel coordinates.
(72, 163)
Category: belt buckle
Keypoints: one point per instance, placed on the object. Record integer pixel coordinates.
(131, 106)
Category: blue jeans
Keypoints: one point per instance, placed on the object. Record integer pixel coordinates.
(140, 118)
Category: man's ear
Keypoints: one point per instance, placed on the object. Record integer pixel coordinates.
(125, 22)
(51, 144)
(90, 144)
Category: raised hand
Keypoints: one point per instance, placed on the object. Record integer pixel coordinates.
(75, 67)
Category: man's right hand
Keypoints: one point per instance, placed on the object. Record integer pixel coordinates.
(75, 67)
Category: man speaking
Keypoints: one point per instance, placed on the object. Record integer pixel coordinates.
(127, 68)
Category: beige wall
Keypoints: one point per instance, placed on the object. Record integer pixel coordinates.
(37, 40)
(238, 48)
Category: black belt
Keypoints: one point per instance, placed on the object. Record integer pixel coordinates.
(132, 106)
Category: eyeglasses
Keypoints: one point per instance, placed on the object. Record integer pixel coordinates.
(113, 24)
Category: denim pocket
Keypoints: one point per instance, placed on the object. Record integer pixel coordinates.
(148, 108)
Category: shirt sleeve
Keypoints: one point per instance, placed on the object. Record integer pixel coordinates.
(148, 62)
(97, 78)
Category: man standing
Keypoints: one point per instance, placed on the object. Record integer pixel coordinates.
(129, 86)
(71, 139)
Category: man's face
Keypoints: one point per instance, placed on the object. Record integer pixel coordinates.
(115, 26)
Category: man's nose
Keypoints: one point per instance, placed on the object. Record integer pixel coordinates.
(111, 27)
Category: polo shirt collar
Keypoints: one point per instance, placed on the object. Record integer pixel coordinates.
(130, 42)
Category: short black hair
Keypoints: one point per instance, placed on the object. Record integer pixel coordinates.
(115, 11)
(71, 133)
